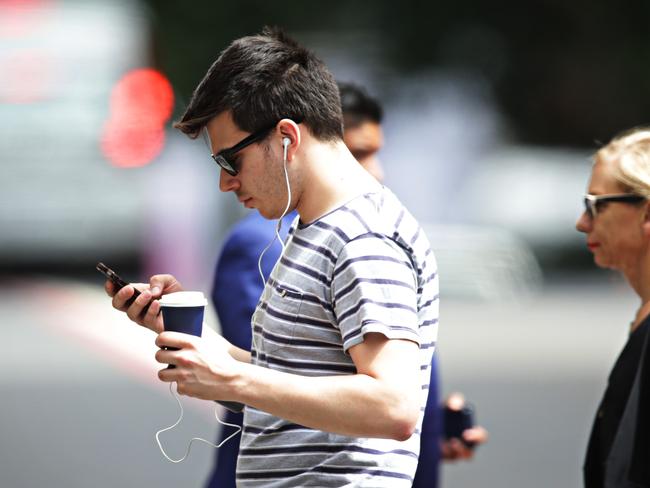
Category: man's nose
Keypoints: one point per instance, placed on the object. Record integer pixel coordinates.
(227, 182)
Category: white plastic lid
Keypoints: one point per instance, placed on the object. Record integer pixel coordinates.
(184, 299)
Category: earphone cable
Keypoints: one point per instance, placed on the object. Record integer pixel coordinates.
(189, 446)
(279, 224)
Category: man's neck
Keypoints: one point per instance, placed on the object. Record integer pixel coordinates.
(331, 177)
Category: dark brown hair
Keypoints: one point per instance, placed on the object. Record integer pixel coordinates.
(262, 79)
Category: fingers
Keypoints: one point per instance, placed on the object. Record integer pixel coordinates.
(167, 356)
(109, 287)
(173, 375)
(173, 351)
(167, 375)
(455, 401)
(162, 284)
(138, 308)
(476, 435)
(454, 449)
(176, 340)
(121, 297)
(152, 318)
(142, 307)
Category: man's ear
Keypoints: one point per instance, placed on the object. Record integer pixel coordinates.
(289, 133)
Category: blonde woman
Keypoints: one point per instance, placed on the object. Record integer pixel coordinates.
(616, 222)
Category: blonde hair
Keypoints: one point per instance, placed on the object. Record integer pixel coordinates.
(629, 156)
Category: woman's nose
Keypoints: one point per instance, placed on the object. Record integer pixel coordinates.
(583, 224)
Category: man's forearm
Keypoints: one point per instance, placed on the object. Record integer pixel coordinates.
(356, 405)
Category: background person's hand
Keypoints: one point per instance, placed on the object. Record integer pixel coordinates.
(144, 310)
(454, 448)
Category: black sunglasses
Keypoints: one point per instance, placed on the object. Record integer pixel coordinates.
(224, 157)
(594, 202)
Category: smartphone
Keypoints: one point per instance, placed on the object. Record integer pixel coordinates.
(118, 282)
(457, 421)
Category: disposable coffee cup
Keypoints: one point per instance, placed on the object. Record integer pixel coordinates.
(183, 311)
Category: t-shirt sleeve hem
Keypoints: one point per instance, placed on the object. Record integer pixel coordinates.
(381, 328)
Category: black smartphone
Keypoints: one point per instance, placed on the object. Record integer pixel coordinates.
(118, 282)
(457, 421)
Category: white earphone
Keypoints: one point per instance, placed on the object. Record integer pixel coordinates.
(285, 144)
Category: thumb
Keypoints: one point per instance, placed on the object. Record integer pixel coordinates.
(163, 284)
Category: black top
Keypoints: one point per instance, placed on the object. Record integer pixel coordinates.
(613, 404)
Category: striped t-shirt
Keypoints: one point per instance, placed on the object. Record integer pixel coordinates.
(364, 267)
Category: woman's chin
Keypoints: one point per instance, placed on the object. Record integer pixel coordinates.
(604, 263)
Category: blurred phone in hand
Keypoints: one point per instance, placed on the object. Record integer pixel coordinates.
(458, 420)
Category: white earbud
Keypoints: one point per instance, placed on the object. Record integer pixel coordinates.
(285, 144)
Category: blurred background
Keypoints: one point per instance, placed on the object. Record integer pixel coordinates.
(492, 113)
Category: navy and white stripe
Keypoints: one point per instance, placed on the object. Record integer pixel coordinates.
(364, 267)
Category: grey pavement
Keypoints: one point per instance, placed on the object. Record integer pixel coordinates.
(73, 416)
(535, 370)
(81, 402)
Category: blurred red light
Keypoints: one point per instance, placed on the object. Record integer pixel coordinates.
(132, 147)
(141, 104)
(143, 96)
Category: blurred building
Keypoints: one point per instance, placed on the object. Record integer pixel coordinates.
(60, 198)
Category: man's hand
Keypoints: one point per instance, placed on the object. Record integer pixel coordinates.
(203, 368)
(158, 286)
(454, 449)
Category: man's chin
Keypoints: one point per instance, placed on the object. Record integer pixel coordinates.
(268, 215)
(273, 214)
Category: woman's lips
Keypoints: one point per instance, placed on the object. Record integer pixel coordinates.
(593, 245)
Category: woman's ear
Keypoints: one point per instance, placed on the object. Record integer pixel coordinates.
(646, 219)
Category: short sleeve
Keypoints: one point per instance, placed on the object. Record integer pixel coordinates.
(374, 289)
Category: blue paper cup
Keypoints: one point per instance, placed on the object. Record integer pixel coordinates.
(183, 311)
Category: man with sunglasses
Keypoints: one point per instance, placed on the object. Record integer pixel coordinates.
(237, 281)
(238, 286)
(337, 375)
